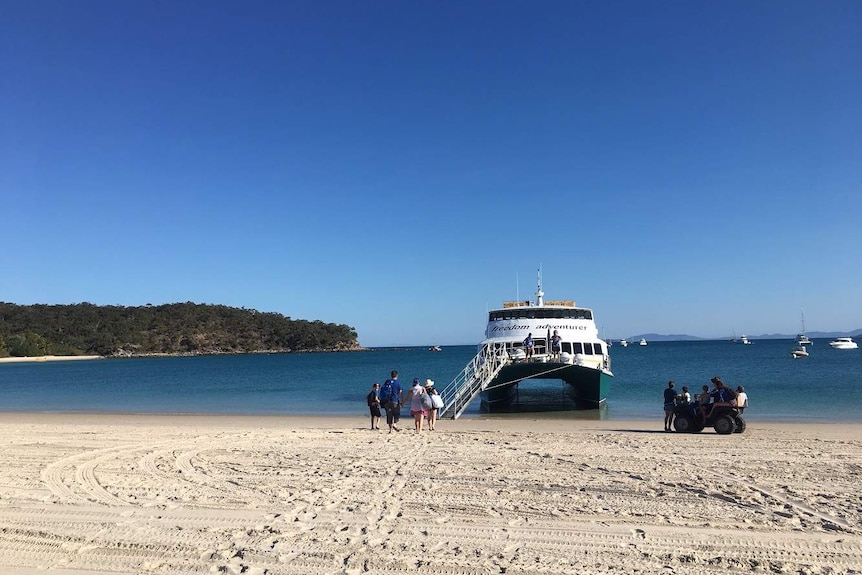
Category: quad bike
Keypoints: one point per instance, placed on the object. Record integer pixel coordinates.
(724, 419)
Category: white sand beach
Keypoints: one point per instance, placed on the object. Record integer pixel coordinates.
(117, 494)
(42, 358)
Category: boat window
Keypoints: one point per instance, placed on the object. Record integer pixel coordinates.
(567, 347)
(597, 347)
(588, 349)
(578, 347)
(540, 313)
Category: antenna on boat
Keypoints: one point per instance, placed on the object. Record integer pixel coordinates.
(539, 293)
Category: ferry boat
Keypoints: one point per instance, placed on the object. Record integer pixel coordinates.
(583, 361)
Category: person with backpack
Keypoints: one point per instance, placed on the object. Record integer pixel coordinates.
(722, 396)
(374, 405)
(390, 398)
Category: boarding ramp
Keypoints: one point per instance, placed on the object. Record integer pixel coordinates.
(475, 377)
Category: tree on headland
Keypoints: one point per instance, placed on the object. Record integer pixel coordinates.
(179, 328)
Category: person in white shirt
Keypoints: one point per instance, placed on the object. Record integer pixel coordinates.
(741, 398)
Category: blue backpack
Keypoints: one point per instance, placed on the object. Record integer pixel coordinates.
(386, 393)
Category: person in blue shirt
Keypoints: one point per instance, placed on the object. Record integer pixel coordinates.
(391, 397)
(721, 396)
(556, 341)
(669, 401)
(528, 345)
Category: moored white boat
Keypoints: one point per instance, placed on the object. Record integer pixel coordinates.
(801, 338)
(642, 342)
(799, 352)
(624, 343)
(743, 339)
(843, 343)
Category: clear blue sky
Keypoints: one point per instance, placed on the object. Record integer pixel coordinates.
(402, 167)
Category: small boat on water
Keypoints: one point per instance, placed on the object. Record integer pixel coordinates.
(642, 342)
(624, 343)
(435, 348)
(519, 346)
(843, 343)
(799, 352)
(801, 338)
(743, 339)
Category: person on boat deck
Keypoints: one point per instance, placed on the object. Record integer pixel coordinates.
(414, 398)
(555, 344)
(392, 402)
(669, 401)
(374, 405)
(528, 345)
(721, 396)
(741, 398)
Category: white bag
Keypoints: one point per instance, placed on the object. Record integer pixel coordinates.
(437, 401)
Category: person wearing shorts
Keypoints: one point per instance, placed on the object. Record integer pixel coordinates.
(374, 405)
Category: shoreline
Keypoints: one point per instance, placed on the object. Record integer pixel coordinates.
(45, 358)
(513, 423)
(497, 420)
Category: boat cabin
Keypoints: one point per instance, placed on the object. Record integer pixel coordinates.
(564, 309)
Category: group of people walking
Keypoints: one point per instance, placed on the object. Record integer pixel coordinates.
(424, 402)
(706, 401)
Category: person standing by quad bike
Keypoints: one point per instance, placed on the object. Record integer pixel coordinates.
(669, 403)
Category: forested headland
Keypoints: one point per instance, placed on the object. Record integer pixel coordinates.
(176, 329)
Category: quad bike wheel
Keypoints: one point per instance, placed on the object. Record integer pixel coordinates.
(724, 424)
(684, 424)
(740, 424)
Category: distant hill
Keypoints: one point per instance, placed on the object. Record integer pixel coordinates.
(813, 335)
(174, 329)
(683, 337)
(662, 337)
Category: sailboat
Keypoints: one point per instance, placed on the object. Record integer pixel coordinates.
(801, 338)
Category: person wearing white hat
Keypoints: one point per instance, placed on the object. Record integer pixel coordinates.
(436, 403)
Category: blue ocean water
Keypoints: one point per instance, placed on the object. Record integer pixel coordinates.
(827, 386)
